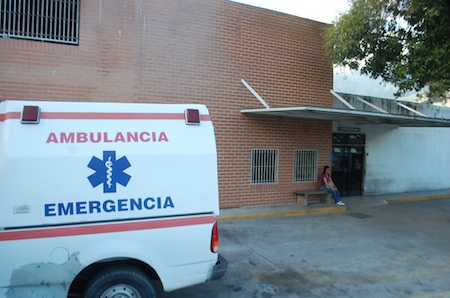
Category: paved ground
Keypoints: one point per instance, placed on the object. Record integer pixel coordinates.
(372, 248)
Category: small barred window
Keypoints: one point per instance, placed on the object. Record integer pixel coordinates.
(264, 166)
(305, 165)
(43, 20)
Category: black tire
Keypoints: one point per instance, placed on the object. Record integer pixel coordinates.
(120, 281)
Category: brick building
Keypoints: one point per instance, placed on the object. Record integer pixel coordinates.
(190, 51)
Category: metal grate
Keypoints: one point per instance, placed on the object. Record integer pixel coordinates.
(358, 215)
(264, 166)
(305, 165)
(44, 20)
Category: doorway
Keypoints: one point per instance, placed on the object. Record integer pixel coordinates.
(348, 163)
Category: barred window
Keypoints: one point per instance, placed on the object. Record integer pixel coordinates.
(305, 165)
(44, 20)
(264, 166)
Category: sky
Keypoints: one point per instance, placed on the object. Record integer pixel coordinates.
(319, 10)
(327, 11)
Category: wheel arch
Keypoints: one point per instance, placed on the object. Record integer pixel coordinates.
(80, 281)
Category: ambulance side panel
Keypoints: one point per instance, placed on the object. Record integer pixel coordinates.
(95, 182)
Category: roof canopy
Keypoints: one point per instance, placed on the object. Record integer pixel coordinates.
(351, 115)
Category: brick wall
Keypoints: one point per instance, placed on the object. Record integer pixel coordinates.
(192, 51)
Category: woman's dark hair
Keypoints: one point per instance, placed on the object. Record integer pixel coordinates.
(325, 168)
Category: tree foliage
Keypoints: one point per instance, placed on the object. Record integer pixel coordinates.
(405, 42)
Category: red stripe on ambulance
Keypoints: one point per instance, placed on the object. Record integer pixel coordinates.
(104, 116)
(105, 228)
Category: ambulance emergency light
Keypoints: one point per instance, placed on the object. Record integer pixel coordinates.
(30, 115)
(192, 116)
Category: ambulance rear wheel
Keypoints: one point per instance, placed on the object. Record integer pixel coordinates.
(120, 282)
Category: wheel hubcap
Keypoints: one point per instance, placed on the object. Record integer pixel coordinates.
(121, 291)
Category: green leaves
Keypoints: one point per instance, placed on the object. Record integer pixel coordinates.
(405, 42)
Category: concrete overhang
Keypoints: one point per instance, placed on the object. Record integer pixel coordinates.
(356, 117)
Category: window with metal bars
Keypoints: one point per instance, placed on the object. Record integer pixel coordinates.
(264, 166)
(305, 165)
(44, 20)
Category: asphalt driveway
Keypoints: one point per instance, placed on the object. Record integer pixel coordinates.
(391, 250)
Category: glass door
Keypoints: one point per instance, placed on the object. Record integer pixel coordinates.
(347, 164)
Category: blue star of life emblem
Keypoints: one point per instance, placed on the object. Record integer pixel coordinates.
(109, 171)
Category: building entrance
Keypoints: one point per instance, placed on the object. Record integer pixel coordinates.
(348, 163)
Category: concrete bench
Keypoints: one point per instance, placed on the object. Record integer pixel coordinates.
(302, 196)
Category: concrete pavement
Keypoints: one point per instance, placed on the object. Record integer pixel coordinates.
(375, 249)
(352, 204)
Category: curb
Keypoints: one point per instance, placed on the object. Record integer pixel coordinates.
(288, 213)
(418, 199)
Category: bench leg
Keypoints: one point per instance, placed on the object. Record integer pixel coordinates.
(327, 198)
(302, 199)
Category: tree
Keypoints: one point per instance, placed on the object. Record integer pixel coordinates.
(405, 42)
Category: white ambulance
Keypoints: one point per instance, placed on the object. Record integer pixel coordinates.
(106, 199)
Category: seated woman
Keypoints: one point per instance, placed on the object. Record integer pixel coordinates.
(327, 184)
